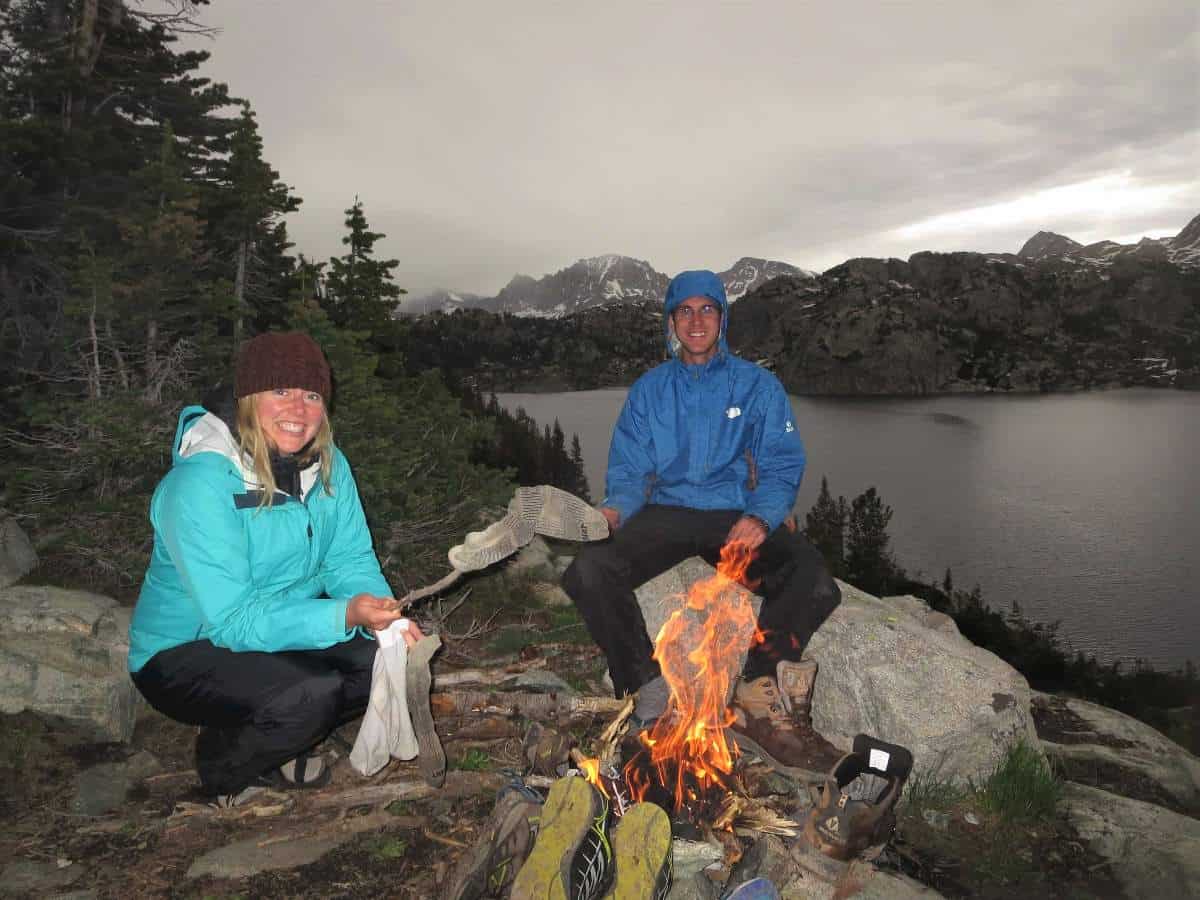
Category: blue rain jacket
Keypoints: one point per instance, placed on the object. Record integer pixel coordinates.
(244, 577)
(690, 435)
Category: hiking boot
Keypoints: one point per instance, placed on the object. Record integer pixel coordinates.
(641, 846)
(489, 867)
(571, 856)
(796, 681)
(856, 808)
(763, 727)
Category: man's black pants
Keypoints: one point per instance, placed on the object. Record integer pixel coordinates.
(256, 710)
(797, 590)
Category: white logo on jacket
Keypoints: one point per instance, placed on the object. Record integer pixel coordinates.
(733, 412)
(787, 427)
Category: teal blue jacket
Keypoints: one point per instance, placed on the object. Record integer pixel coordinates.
(245, 576)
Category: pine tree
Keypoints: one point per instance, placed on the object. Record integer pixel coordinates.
(825, 526)
(579, 473)
(243, 206)
(869, 562)
(360, 289)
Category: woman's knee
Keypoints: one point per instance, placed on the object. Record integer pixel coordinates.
(313, 703)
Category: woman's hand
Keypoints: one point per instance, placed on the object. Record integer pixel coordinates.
(372, 612)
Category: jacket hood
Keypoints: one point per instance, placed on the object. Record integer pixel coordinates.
(694, 283)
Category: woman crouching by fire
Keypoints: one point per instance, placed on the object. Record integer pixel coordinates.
(251, 615)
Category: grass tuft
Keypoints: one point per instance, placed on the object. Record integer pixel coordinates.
(1023, 787)
(925, 790)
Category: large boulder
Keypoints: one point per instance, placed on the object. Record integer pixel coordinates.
(1104, 748)
(63, 654)
(17, 556)
(895, 669)
(1153, 852)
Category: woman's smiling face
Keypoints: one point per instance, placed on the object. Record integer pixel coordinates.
(290, 417)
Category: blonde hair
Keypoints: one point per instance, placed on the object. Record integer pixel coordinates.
(253, 442)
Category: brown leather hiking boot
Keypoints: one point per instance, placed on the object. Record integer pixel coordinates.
(796, 682)
(762, 726)
(856, 807)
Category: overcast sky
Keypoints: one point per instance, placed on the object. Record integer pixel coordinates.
(491, 138)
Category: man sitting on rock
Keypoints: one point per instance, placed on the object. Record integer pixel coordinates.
(706, 452)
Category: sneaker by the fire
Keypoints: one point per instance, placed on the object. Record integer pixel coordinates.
(641, 845)
(571, 856)
(546, 750)
(240, 798)
(763, 727)
(489, 867)
(856, 808)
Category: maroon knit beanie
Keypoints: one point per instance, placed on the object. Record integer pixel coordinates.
(281, 360)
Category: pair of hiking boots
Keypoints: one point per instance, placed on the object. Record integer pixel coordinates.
(856, 800)
(532, 850)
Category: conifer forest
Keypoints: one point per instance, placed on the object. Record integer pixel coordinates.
(142, 240)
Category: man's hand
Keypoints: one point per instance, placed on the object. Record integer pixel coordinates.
(747, 530)
(372, 612)
(613, 517)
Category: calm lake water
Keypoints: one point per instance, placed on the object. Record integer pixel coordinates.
(1083, 508)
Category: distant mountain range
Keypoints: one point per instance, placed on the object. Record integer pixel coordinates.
(1183, 249)
(1055, 316)
(590, 283)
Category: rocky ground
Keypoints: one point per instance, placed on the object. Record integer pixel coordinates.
(87, 819)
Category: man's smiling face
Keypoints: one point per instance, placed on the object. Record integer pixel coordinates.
(697, 324)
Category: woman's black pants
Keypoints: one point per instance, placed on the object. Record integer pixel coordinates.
(256, 710)
(797, 590)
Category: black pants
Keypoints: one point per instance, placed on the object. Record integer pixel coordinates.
(797, 590)
(256, 710)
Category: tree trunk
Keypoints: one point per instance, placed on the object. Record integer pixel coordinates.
(239, 293)
(94, 389)
(531, 706)
(152, 362)
(118, 357)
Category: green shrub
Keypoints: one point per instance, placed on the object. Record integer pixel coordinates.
(474, 760)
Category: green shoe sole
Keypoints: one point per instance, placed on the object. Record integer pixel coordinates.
(571, 856)
(641, 845)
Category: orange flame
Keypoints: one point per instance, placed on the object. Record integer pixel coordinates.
(591, 771)
(698, 649)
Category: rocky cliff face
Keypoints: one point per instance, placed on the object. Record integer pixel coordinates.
(1049, 318)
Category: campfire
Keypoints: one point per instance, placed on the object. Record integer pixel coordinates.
(685, 763)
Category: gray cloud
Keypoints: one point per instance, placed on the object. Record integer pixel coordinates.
(490, 139)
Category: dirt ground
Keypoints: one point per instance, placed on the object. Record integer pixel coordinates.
(396, 840)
